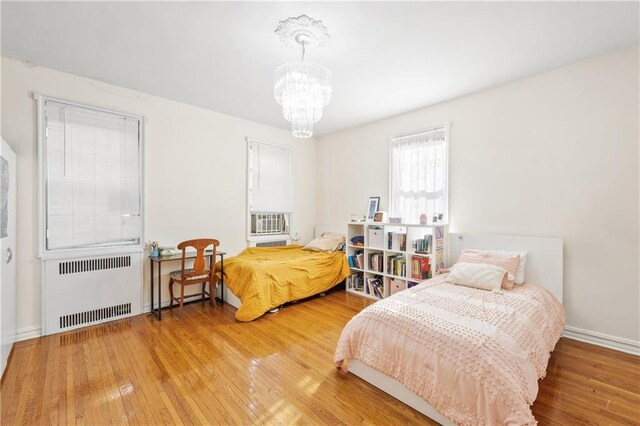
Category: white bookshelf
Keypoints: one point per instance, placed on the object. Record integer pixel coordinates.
(381, 244)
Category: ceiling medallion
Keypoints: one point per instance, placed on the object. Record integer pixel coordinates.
(302, 87)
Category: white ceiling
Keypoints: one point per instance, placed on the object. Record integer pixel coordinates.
(386, 57)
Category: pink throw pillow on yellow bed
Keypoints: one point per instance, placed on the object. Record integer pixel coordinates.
(508, 263)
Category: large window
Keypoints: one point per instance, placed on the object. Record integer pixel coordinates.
(270, 188)
(91, 180)
(419, 175)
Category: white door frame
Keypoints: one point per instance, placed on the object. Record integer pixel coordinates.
(8, 295)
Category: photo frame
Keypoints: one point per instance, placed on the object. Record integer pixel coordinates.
(374, 202)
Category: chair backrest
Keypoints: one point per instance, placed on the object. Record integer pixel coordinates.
(199, 263)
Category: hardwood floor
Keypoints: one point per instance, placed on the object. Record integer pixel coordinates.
(204, 367)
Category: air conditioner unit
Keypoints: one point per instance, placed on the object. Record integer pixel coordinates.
(90, 290)
(273, 241)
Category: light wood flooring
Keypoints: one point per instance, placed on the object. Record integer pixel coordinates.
(204, 367)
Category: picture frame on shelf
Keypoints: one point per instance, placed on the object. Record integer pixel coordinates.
(380, 217)
(374, 202)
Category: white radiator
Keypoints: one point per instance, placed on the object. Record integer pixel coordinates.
(90, 290)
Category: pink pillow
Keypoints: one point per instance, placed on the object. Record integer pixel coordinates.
(508, 263)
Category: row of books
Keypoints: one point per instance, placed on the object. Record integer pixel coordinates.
(397, 265)
(397, 241)
(355, 282)
(420, 267)
(376, 287)
(423, 245)
(439, 249)
(376, 261)
(356, 260)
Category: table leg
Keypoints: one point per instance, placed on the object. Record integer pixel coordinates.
(159, 291)
(151, 270)
(212, 286)
(222, 279)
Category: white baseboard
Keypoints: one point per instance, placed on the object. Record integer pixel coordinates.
(600, 339)
(28, 333)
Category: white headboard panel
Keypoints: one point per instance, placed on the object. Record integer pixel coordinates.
(340, 228)
(544, 258)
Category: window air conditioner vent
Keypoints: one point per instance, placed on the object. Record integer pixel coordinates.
(272, 243)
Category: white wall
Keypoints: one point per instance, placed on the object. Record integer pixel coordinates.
(555, 154)
(195, 169)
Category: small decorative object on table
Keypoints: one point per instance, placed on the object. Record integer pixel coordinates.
(373, 208)
(155, 249)
(395, 220)
(424, 219)
(357, 217)
(166, 251)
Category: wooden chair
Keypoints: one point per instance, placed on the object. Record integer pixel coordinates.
(199, 274)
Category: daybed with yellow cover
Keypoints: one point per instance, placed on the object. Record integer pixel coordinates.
(265, 278)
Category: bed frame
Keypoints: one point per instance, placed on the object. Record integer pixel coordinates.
(544, 267)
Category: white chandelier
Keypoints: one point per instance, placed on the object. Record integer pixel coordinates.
(302, 87)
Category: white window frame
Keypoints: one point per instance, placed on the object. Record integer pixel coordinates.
(447, 130)
(252, 239)
(43, 252)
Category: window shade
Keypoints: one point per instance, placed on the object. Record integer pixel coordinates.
(271, 187)
(419, 168)
(93, 186)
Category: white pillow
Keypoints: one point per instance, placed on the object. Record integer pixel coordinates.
(334, 236)
(523, 261)
(323, 244)
(477, 275)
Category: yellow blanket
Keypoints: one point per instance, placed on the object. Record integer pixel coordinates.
(267, 277)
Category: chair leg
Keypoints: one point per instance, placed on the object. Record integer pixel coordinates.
(204, 286)
(181, 296)
(170, 293)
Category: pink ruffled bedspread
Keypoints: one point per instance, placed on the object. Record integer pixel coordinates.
(474, 355)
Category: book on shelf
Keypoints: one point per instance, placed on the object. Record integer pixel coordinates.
(355, 282)
(397, 241)
(375, 287)
(359, 259)
(420, 267)
(396, 265)
(423, 245)
(376, 261)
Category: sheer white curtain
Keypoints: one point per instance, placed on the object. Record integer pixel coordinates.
(419, 169)
(93, 179)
